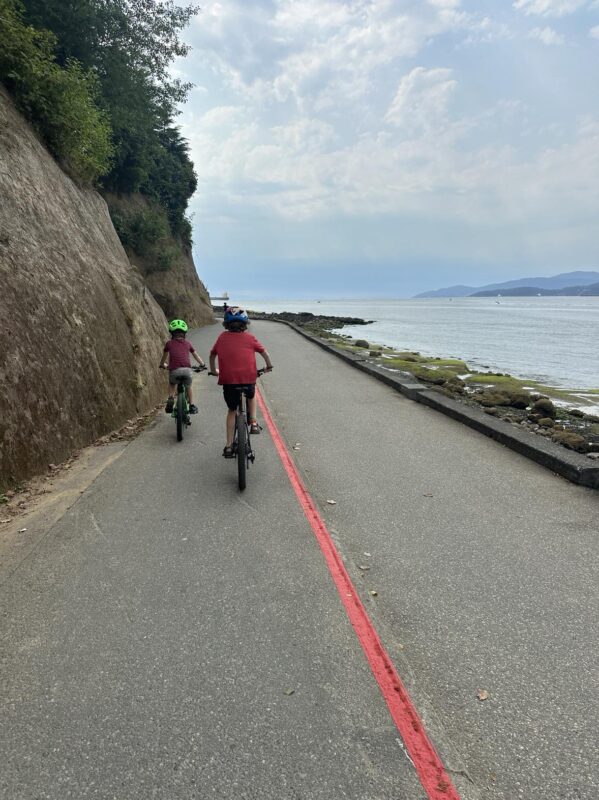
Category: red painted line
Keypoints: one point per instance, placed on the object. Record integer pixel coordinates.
(430, 769)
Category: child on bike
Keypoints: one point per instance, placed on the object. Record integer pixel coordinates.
(235, 350)
(178, 351)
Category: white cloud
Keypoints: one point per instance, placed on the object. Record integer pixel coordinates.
(323, 108)
(547, 35)
(594, 32)
(423, 162)
(422, 99)
(549, 8)
(445, 3)
(319, 51)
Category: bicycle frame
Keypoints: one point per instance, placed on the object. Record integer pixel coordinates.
(181, 388)
(242, 448)
(180, 411)
(241, 442)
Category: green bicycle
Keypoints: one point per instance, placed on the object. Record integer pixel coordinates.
(180, 412)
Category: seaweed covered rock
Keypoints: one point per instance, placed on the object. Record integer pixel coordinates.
(571, 440)
(546, 422)
(544, 408)
(492, 397)
(456, 385)
(519, 400)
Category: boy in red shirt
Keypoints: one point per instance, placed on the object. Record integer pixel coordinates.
(178, 350)
(236, 352)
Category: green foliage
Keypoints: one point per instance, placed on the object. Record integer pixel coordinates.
(166, 258)
(146, 233)
(171, 179)
(184, 231)
(94, 78)
(61, 102)
(130, 45)
(141, 230)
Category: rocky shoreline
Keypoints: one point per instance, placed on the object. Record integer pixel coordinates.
(543, 410)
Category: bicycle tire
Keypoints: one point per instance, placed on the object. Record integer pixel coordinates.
(180, 415)
(241, 450)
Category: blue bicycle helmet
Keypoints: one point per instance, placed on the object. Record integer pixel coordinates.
(236, 314)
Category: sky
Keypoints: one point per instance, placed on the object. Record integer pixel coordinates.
(380, 148)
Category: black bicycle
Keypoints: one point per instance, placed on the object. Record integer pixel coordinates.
(181, 406)
(242, 446)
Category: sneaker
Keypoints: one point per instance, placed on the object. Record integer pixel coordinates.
(228, 452)
(254, 427)
(169, 405)
(193, 409)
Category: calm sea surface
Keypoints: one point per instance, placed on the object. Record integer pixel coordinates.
(551, 339)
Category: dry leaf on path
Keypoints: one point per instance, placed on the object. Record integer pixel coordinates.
(374, 593)
(332, 502)
(482, 694)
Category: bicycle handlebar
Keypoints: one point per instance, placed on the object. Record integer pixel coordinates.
(197, 368)
(259, 372)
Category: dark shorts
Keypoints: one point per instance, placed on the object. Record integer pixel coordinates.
(232, 395)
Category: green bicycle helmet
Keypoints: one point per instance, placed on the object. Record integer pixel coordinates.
(178, 325)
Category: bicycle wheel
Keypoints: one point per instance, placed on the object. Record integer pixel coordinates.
(241, 449)
(180, 415)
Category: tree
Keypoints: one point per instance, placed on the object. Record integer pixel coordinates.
(61, 102)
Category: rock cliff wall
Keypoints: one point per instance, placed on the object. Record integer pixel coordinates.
(177, 289)
(80, 333)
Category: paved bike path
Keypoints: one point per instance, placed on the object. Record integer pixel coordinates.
(150, 642)
(170, 638)
(486, 567)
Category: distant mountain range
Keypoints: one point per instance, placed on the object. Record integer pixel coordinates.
(583, 284)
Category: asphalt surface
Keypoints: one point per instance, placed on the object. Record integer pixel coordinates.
(172, 638)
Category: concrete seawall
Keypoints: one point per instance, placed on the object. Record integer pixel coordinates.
(570, 465)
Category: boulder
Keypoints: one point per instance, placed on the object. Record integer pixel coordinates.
(570, 440)
(544, 407)
(546, 422)
(492, 397)
(456, 385)
(519, 399)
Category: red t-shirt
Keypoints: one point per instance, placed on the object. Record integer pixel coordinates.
(236, 356)
(178, 353)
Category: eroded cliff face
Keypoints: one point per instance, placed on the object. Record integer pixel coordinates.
(177, 289)
(80, 334)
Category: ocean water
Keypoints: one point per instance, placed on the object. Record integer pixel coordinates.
(554, 340)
